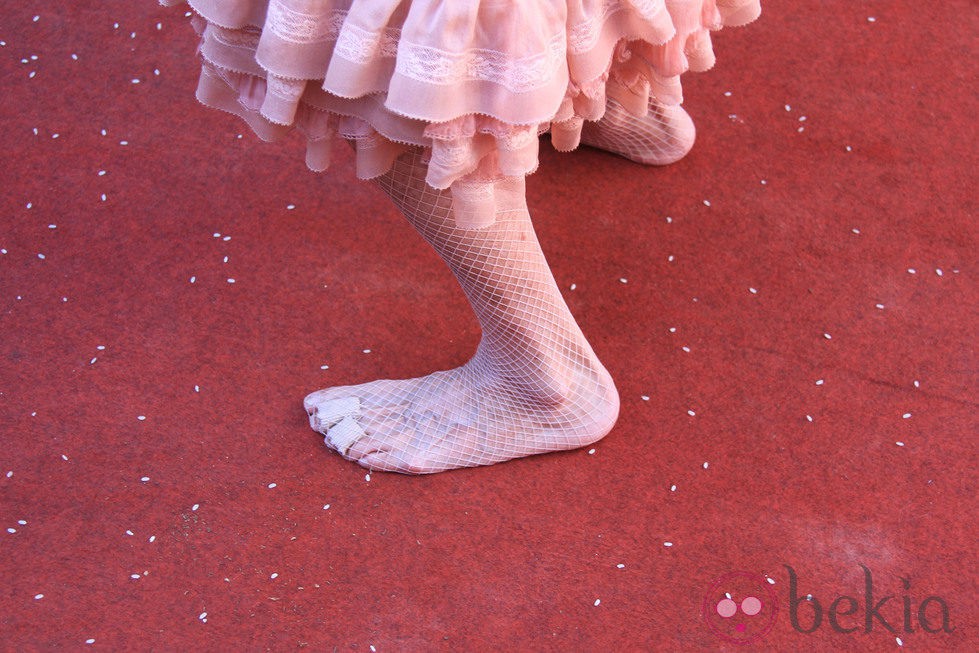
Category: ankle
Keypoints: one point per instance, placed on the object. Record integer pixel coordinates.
(552, 377)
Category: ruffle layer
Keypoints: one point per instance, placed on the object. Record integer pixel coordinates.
(473, 81)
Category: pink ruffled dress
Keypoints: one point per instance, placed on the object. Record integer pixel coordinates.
(474, 82)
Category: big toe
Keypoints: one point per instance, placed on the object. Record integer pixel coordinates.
(324, 413)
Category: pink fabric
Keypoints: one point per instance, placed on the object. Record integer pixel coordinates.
(474, 82)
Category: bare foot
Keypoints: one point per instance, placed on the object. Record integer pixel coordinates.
(472, 415)
(663, 136)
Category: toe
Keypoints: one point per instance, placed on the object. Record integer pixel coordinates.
(342, 435)
(325, 414)
(366, 446)
(392, 461)
(314, 399)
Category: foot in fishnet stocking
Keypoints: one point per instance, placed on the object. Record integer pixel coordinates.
(534, 384)
(664, 135)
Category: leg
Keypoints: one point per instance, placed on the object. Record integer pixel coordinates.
(664, 135)
(534, 384)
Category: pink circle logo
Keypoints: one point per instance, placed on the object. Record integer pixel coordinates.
(740, 607)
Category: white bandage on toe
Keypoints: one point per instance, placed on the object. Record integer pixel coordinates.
(344, 434)
(332, 411)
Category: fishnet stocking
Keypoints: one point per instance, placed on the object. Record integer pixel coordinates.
(534, 384)
(664, 135)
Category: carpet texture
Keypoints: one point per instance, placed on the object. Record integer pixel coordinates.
(789, 313)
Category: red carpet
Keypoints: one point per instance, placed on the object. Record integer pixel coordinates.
(790, 314)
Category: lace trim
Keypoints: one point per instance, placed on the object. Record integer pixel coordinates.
(453, 155)
(246, 38)
(432, 65)
(361, 46)
(286, 89)
(436, 66)
(518, 75)
(583, 36)
(649, 8)
(473, 191)
(299, 27)
(517, 140)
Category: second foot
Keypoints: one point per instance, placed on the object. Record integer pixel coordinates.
(663, 136)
